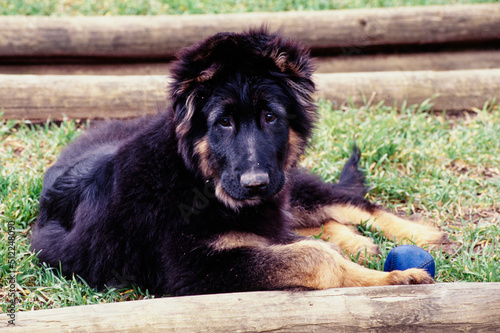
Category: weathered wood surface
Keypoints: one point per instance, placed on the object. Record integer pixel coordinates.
(453, 90)
(448, 307)
(38, 97)
(134, 68)
(436, 61)
(162, 36)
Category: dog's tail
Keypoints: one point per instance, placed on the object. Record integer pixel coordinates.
(351, 177)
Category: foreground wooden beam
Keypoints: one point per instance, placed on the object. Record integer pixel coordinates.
(38, 97)
(162, 36)
(449, 307)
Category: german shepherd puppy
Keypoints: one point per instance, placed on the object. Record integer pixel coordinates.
(206, 197)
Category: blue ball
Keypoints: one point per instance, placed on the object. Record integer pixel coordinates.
(409, 256)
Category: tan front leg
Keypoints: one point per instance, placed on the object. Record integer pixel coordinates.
(314, 264)
(308, 263)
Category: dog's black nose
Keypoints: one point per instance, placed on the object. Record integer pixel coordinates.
(255, 181)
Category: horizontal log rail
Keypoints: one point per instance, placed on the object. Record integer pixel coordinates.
(162, 36)
(436, 61)
(38, 97)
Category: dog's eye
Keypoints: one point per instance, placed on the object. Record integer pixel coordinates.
(270, 117)
(226, 122)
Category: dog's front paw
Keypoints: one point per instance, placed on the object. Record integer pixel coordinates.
(410, 276)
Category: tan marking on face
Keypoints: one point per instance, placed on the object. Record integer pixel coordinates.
(185, 125)
(227, 200)
(202, 149)
(295, 149)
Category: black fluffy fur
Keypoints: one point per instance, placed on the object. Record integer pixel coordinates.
(129, 201)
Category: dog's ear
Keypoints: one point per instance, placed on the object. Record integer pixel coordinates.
(290, 57)
(295, 67)
(199, 63)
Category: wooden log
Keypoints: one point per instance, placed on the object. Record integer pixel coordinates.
(162, 36)
(453, 90)
(38, 97)
(436, 61)
(449, 307)
(134, 68)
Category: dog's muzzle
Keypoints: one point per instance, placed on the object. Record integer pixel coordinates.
(255, 182)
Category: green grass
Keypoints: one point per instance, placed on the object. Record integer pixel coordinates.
(26, 150)
(445, 169)
(157, 7)
(442, 167)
